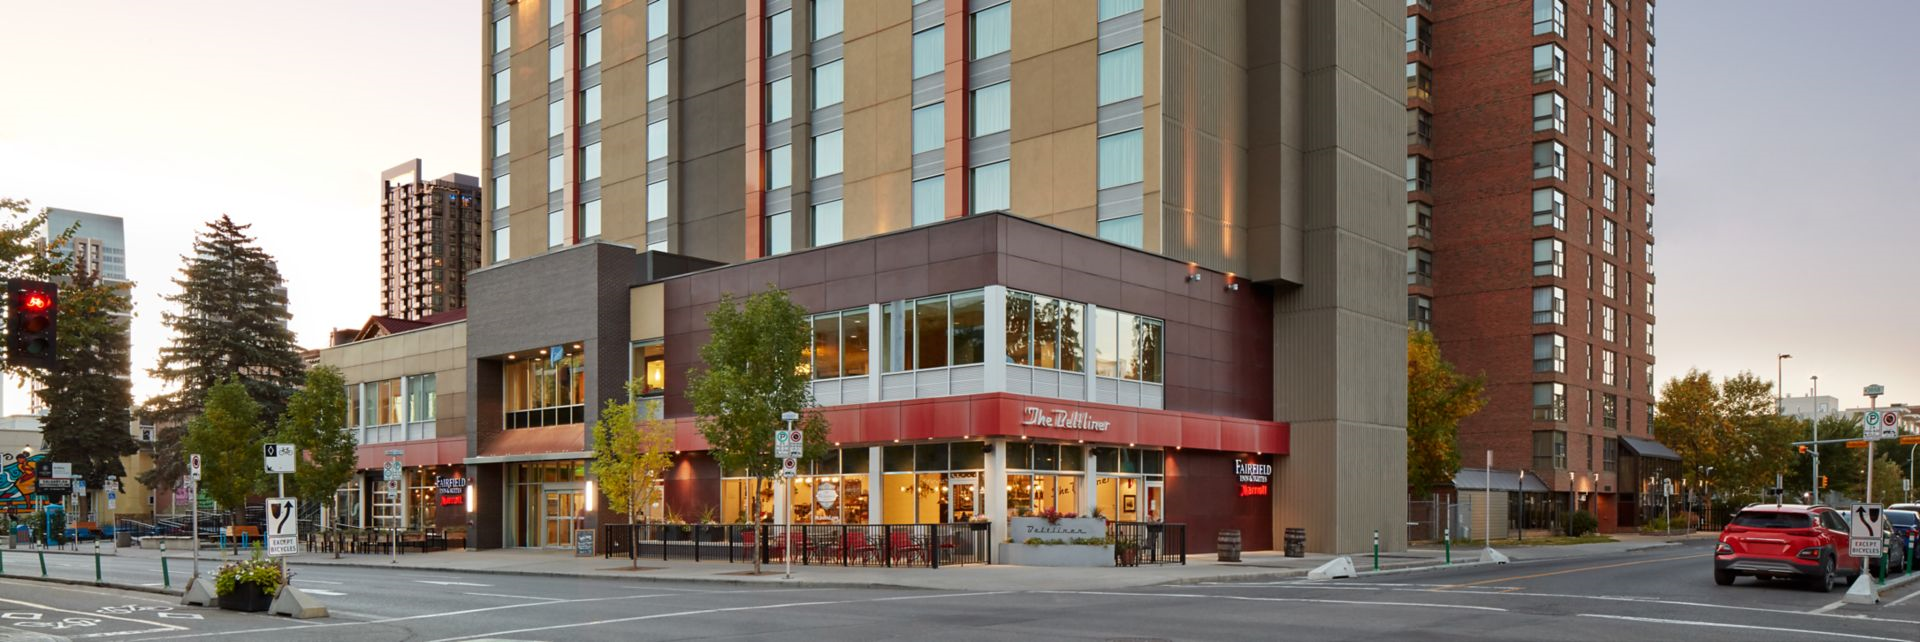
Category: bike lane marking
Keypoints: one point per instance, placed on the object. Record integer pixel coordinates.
(154, 627)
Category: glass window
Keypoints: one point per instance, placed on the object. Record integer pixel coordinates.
(1550, 402)
(829, 84)
(556, 62)
(826, 154)
(1419, 220)
(779, 33)
(1549, 353)
(929, 127)
(992, 30)
(420, 398)
(969, 328)
(1419, 35)
(1116, 8)
(590, 219)
(1126, 230)
(590, 48)
(556, 228)
(1549, 64)
(556, 12)
(1550, 208)
(929, 51)
(1606, 147)
(1550, 112)
(502, 34)
(1144, 355)
(930, 332)
(590, 162)
(1550, 160)
(929, 200)
(502, 138)
(1419, 173)
(1120, 159)
(853, 328)
(1549, 257)
(1419, 267)
(502, 86)
(826, 346)
(502, 249)
(779, 233)
(656, 200)
(556, 173)
(1550, 16)
(1057, 333)
(1020, 331)
(657, 18)
(589, 5)
(1419, 127)
(649, 364)
(993, 107)
(829, 17)
(991, 187)
(780, 167)
(502, 191)
(1419, 81)
(780, 99)
(1106, 348)
(657, 139)
(827, 224)
(556, 118)
(1120, 74)
(541, 390)
(590, 105)
(1550, 305)
(657, 76)
(1419, 312)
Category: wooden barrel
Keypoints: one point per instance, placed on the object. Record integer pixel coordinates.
(1296, 542)
(1227, 544)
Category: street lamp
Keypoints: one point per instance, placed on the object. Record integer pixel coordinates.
(1817, 416)
(1779, 399)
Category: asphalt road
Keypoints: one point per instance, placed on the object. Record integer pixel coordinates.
(1660, 594)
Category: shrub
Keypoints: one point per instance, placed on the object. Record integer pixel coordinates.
(1583, 523)
(259, 572)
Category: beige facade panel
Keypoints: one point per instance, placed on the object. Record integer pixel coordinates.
(647, 312)
(439, 350)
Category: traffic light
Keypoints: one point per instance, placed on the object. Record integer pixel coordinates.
(1803, 450)
(1823, 481)
(33, 312)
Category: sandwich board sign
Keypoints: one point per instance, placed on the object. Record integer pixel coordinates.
(283, 526)
(1864, 531)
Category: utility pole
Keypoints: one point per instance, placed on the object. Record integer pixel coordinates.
(1779, 396)
(1816, 437)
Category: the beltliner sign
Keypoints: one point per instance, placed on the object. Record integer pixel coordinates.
(1065, 419)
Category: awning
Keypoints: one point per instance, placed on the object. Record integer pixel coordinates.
(1649, 448)
(1503, 480)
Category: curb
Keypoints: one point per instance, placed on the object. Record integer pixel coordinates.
(112, 585)
(638, 578)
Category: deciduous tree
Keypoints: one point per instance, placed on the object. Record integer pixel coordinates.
(315, 423)
(1437, 399)
(231, 323)
(751, 373)
(629, 455)
(226, 435)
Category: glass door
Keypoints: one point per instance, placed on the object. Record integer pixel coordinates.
(963, 499)
(1156, 512)
(564, 511)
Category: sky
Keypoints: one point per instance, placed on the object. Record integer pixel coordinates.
(1782, 217)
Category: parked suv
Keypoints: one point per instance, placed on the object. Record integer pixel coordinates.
(1780, 541)
(1905, 525)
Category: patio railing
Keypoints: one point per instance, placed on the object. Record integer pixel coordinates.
(886, 545)
(1153, 542)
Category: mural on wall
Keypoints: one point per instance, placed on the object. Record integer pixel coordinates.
(17, 475)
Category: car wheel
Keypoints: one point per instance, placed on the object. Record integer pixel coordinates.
(1723, 578)
(1824, 581)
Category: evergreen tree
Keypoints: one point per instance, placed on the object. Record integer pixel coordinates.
(231, 322)
(89, 398)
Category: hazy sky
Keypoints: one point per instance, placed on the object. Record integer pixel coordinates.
(1782, 222)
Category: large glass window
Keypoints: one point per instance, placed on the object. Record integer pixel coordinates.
(779, 33)
(1550, 401)
(1045, 332)
(780, 167)
(929, 51)
(1550, 112)
(421, 398)
(556, 117)
(503, 34)
(827, 154)
(556, 12)
(1419, 312)
(992, 187)
(1549, 257)
(590, 219)
(1419, 173)
(1550, 160)
(657, 200)
(502, 190)
(1549, 450)
(502, 138)
(1126, 230)
(1419, 81)
(929, 200)
(556, 228)
(1127, 346)
(658, 73)
(556, 62)
(1120, 159)
(1120, 74)
(992, 30)
(827, 223)
(993, 107)
(936, 331)
(1549, 64)
(780, 99)
(829, 84)
(502, 86)
(657, 19)
(544, 389)
(657, 139)
(590, 48)
(590, 162)
(1550, 16)
(502, 245)
(1550, 305)
(779, 233)
(839, 344)
(829, 17)
(649, 364)
(1550, 208)
(1116, 8)
(590, 105)
(929, 127)
(1419, 267)
(1549, 353)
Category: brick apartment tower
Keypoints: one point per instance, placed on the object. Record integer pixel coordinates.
(1530, 191)
(429, 240)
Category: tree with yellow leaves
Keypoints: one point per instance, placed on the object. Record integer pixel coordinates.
(1437, 399)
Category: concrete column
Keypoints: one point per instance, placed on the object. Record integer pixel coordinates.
(876, 496)
(1088, 460)
(995, 482)
(996, 361)
(876, 344)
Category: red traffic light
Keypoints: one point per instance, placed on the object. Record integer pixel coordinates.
(36, 301)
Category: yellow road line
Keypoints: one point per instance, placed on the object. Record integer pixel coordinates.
(1576, 570)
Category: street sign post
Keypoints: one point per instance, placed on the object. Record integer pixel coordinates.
(392, 474)
(193, 466)
(283, 526)
(1864, 531)
(279, 457)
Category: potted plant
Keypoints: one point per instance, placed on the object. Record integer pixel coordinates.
(248, 585)
(1129, 551)
(979, 523)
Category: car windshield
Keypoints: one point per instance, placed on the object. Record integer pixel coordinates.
(1770, 519)
(1903, 517)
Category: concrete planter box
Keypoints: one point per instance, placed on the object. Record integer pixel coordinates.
(173, 543)
(1020, 529)
(1055, 555)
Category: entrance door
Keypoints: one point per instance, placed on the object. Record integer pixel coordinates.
(1156, 494)
(564, 510)
(963, 495)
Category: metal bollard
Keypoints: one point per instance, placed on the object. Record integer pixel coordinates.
(96, 561)
(43, 563)
(1447, 534)
(1376, 549)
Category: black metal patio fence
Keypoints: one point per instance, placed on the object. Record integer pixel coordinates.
(886, 545)
(1152, 543)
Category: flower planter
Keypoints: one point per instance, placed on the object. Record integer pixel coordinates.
(246, 598)
(979, 526)
(1019, 554)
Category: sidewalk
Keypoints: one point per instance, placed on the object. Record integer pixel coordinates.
(1256, 566)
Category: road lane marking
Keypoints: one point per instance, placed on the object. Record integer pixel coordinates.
(169, 627)
(516, 597)
(759, 607)
(423, 616)
(325, 592)
(1577, 570)
(443, 583)
(1311, 600)
(1721, 625)
(307, 581)
(1612, 598)
(1829, 608)
(1908, 596)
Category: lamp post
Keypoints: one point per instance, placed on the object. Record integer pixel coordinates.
(1816, 435)
(1571, 507)
(1779, 398)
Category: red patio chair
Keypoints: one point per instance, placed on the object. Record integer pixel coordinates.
(904, 547)
(859, 548)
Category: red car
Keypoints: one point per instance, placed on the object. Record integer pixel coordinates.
(1780, 541)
